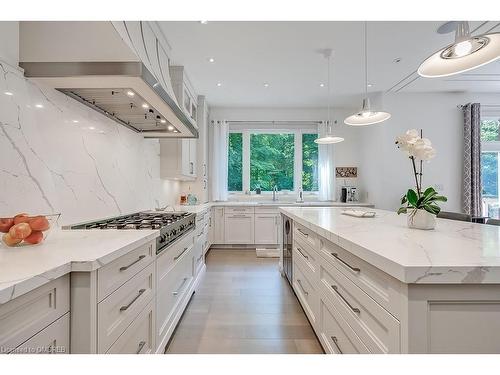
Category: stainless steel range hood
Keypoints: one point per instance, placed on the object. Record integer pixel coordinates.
(125, 91)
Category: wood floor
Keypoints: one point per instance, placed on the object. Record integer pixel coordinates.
(243, 306)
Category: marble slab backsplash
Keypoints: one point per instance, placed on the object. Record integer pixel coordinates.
(58, 156)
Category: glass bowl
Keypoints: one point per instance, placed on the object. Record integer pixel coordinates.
(52, 221)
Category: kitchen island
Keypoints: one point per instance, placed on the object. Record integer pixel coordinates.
(372, 285)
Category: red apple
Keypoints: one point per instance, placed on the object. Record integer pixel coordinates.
(20, 231)
(5, 224)
(39, 223)
(34, 238)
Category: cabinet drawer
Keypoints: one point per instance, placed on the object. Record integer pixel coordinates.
(116, 273)
(304, 252)
(138, 338)
(119, 309)
(266, 210)
(53, 339)
(239, 210)
(28, 314)
(374, 325)
(336, 335)
(170, 292)
(306, 293)
(383, 288)
(172, 255)
(306, 235)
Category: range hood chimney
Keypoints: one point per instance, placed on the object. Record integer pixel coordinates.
(90, 62)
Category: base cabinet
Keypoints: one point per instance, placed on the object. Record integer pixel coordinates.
(239, 228)
(266, 228)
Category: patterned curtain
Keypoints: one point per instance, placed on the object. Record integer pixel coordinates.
(472, 160)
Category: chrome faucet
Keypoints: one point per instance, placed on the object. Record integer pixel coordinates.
(275, 193)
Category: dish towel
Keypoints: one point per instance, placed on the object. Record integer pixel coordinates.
(358, 213)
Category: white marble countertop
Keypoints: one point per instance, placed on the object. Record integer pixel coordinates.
(455, 252)
(264, 203)
(25, 268)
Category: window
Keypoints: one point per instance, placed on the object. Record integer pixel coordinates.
(309, 162)
(271, 161)
(263, 159)
(235, 162)
(490, 155)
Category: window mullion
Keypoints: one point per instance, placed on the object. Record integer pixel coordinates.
(297, 161)
(246, 161)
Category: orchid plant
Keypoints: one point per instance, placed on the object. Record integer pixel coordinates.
(418, 149)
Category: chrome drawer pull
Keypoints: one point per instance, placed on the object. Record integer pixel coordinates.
(180, 287)
(355, 309)
(199, 258)
(301, 253)
(336, 256)
(304, 233)
(124, 268)
(335, 341)
(302, 287)
(201, 234)
(178, 256)
(123, 308)
(139, 348)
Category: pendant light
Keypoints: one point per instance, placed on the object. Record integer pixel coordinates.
(366, 116)
(329, 138)
(466, 53)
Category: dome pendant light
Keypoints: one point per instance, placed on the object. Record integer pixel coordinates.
(329, 138)
(366, 116)
(466, 53)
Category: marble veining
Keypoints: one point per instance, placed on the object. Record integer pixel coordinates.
(58, 156)
(25, 268)
(455, 252)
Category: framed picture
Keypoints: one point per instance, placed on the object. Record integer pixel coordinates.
(346, 172)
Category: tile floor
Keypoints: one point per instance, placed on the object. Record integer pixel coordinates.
(243, 306)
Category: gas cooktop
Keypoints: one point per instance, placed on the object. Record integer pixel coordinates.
(171, 225)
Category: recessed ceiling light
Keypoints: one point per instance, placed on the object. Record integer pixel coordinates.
(130, 93)
(163, 121)
(170, 127)
(321, 85)
(203, 22)
(211, 60)
(8, 93)
(39, 105)
(176, 131)
(92, 127)
(266, 84)
(219, 84)
(145, 105)
(75, 121)
(369, 85)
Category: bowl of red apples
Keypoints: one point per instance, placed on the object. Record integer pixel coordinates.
(24, 229)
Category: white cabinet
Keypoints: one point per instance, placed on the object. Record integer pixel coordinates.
(218, 225)
(200, 187)
(178, 159)
(266, 229)
(240, 228)
(184, 92)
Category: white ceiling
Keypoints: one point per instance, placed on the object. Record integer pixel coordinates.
(285, 55)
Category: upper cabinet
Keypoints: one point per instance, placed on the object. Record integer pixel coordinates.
(184, 92)
(178, 159)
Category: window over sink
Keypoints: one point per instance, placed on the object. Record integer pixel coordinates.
(263, 159)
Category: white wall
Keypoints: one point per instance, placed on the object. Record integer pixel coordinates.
(347, 153)
(386, 173)
(67, 158)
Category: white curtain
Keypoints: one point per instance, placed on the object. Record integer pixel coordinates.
(220, 135)
(326, 168)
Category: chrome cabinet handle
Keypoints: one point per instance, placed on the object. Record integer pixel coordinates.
(302, 287)
(124, 308)
(124, 268)
(201, 234)
(301, 253)
(355, 309)
(304, 233)
(139, 348)
(182, 252)
(335, 341)
(180, 287)
(199, 258)
(336, 256)
(239, 216)
(192, 167)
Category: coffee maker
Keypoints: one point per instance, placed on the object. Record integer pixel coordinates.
(348, 194)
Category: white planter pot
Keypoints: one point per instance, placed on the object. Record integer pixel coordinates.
(421, 219)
